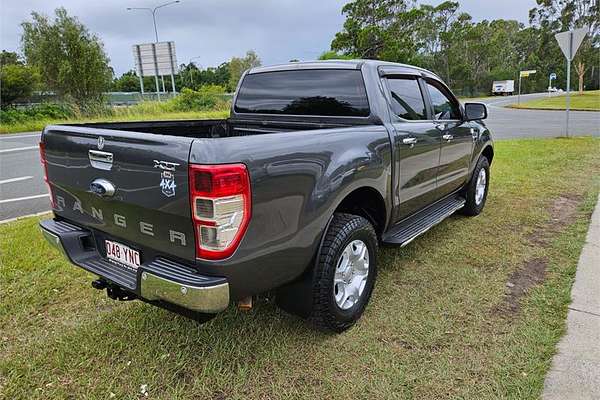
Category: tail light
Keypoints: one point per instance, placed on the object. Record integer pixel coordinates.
(220, 201)
(45, 166)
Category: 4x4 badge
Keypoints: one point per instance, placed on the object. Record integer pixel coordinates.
(167, 177)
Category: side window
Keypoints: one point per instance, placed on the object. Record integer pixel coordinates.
(444, 107)
(407, 100)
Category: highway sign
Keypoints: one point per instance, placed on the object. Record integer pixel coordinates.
(569, 41)
(155, 59)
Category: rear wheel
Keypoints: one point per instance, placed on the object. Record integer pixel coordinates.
(477, 189)
(345, 273)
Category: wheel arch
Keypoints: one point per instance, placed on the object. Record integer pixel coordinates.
(367, 202)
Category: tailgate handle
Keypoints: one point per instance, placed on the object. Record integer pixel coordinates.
(101, 159)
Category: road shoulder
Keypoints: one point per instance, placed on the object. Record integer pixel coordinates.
(575, 371)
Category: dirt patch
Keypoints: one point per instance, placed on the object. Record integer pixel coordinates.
(532, 273)
(563, 212)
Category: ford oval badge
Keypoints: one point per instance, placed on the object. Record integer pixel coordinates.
(102, 187)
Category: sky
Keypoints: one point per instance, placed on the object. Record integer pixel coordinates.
(216, 30)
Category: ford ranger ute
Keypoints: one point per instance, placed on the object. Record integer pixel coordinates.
(317, 165)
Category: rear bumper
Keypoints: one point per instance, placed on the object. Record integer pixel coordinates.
(159, 280)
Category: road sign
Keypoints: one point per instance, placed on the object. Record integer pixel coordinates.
(155, 59)
(525, 74)
(552, 76)
(152, 59)
(569, 42)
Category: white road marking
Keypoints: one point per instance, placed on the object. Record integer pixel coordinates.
(21, 178)
(9, 136)
(39, 196)
(19, 149)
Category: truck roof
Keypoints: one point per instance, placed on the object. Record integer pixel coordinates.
(338, 64)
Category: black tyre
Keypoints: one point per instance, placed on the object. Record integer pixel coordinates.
(344, 274)
(476, 190)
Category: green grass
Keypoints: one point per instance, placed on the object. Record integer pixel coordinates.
(436, 327)
(147, 113)
(588, 101)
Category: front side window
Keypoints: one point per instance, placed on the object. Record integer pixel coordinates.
(327, 92)
(407, 99)
(444, 107)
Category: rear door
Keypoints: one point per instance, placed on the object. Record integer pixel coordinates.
(148, 209)
(457, 139)
(417, 145)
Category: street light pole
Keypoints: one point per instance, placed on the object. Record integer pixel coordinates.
(153, 11)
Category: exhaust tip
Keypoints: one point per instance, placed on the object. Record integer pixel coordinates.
(245, 304)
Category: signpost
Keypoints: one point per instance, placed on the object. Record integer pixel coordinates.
(569, 42)
(552, 76)
(155, 59)
(524, 74)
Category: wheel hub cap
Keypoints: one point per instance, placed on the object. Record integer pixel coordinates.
(351, 274)
(480, 186)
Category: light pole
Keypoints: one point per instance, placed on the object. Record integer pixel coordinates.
(153, 11)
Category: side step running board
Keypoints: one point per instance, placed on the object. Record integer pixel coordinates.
(406, 230)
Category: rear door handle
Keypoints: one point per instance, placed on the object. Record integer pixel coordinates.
(447, 137)
(410, 141)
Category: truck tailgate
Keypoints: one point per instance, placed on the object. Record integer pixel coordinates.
(149, 207)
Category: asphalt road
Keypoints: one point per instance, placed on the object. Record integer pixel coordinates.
(23, 191)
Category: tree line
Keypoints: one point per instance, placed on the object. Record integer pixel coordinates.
(61, 56)
(469, 55)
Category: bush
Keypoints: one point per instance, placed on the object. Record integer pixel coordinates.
(208, 97)
(39, 112)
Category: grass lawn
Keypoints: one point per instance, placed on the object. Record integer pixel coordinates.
(120, 114)
(589, 101)
(473, 309)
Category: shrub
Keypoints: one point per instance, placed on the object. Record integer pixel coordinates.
(208, 97)
(39, 112)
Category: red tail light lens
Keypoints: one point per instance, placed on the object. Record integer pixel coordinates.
(45, 166)
(221, 205)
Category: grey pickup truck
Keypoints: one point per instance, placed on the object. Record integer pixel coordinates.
(318, 164)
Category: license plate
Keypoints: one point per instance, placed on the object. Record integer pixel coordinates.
(122, 254)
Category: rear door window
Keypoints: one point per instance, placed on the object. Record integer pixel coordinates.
(332, 92)
(407, 99)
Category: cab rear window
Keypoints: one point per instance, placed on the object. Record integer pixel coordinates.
(328, 92)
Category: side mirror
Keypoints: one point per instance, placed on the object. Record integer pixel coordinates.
(475, 111)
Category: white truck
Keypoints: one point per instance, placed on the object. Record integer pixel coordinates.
(503, 88)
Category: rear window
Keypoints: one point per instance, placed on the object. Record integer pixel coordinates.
(304, 92)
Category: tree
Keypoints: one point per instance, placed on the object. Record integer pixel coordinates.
(369, 26)
(128, 82)
(9, 57)
(554, 16)
(70, 59)
(334, 55)
(17, 80)
(237, 66)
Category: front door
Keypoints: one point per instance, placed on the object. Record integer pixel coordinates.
(457, 139)
(417, 146)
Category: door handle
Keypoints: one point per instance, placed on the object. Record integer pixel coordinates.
(447, 137)
(411, 141)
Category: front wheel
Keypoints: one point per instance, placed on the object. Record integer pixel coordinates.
(477, 189)
(345, 273)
